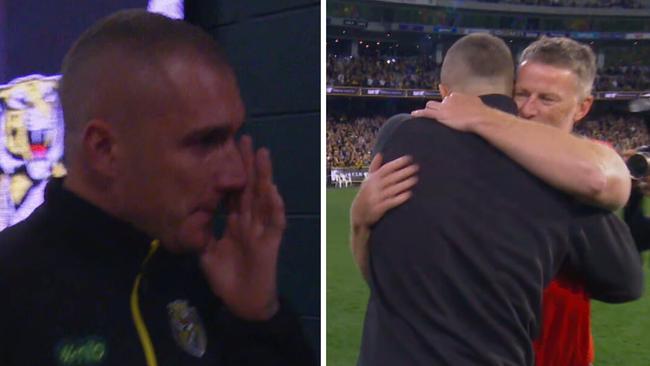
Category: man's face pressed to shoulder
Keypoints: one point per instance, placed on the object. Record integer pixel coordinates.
(185, 161)
(548, 94)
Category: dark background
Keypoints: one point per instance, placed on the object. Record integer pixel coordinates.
(274, 47)
(38, 33)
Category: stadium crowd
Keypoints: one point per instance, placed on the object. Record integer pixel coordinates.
(624, 132)
(403, 72)
(424, 72)
(624, 78)
(626, 4)
(350, 140)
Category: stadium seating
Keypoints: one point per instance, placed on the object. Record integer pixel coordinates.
(349, 142)
(424, 72)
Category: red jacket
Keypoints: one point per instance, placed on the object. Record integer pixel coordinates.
(565, 337)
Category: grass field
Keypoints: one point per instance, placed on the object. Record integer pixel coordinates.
(621, 332)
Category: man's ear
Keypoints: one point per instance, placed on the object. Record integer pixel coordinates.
(583, 108)
(444, 90)
(99, 147)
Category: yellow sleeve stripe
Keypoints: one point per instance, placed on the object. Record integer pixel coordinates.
(143, 333)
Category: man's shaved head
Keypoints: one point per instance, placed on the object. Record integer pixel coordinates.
(152, 111)
(478, 61)
(111, 70)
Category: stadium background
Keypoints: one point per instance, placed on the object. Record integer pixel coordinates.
(383, 57)
(274, 47)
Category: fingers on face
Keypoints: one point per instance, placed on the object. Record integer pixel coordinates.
(264, 167)
(277, 218)
(246, 150)
(259, 207)
(271, 205)
(233, 233)
(264, 182)
(246, 197)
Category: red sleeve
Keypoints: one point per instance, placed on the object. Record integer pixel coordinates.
(565, 337)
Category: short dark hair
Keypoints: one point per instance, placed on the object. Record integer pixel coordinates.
(141, 39)
(477, 55)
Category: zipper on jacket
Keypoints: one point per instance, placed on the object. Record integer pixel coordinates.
(140, 326)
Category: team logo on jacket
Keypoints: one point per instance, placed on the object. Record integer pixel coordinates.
(81, 351)
(187, 329)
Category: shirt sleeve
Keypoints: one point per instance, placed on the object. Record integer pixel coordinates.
(604, 254)
(278, 341)
(637, 221)
(386, 131)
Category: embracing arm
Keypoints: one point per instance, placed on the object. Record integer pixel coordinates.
(635, 218)
(591, 171)
(604, 253)
(588, 170)
(359, 235)
(385, 187)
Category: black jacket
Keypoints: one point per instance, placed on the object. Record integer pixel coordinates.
(68, 273)
(457, 272)
(637, 221)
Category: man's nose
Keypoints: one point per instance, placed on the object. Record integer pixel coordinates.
(232, 175)
(529, 108)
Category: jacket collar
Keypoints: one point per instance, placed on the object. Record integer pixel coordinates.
(500, 101)
(93, 225)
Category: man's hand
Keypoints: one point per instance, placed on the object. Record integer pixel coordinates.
(458, 111)
(386, 187)
(241, 266)
(585, 169)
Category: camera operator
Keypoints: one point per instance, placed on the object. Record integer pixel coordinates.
(639, 223)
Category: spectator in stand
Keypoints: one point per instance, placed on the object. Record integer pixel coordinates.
(349, 141)
(416, 72)
(625, 132)
(625, 77)
(627, 4)
(387, 72)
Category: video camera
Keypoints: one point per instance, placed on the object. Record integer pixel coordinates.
(639, 163)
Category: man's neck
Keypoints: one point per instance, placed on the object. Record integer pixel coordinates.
(482, 89)
(97, 196)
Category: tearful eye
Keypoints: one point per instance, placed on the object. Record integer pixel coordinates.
(207, 139)
(211, 140)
